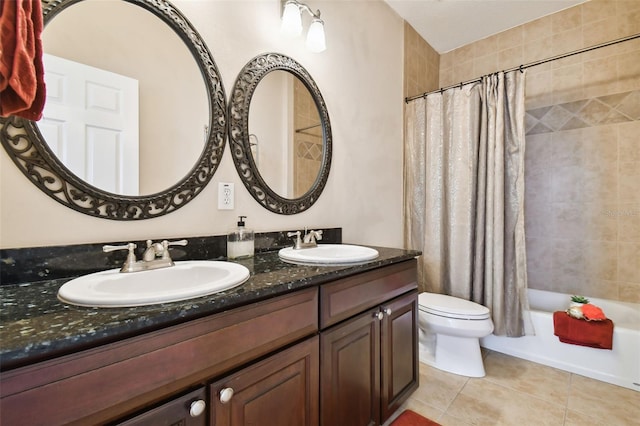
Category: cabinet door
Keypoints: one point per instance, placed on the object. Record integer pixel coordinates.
(279, 391)
(399, 348)
(350, 372)
(187, 410)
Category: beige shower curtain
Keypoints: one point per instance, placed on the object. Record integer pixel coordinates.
(464, 195)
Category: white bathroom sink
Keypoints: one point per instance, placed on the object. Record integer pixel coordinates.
(185, 280)
(329, 254)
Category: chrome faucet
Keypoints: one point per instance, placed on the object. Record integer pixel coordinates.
(309, 239)
(155, 256)
(312, 237)
(152, 251)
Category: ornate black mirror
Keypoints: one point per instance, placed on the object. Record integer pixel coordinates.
(173, 86)
(280, 134)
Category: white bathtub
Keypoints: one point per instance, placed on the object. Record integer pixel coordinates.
(620, 366)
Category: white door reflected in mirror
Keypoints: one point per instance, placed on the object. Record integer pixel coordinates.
(90, 122)
(173, 106)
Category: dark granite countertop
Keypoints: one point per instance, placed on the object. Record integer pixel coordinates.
(34, 325)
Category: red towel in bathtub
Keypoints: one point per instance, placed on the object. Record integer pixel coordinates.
(595, 334)
(22, 87)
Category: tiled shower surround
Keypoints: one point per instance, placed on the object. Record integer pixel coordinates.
(600, 111)
(582, 183)
(582, 210)
(307, 140)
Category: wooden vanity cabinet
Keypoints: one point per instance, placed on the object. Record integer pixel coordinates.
(118, 380)
(342, 353)
(369, 361)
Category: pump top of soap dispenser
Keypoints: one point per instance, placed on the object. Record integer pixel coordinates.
(241, 221)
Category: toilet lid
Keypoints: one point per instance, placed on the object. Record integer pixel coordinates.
(452, 307)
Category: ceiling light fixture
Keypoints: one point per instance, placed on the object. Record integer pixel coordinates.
(292, 25)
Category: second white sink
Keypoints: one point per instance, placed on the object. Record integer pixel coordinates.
(329, 254)
(185, 280)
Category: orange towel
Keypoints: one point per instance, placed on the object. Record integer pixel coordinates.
(22, 87)
(595, 334)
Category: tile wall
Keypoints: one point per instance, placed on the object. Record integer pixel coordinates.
(308, 141)
(421, 67)
(582, 204)
(421, 64)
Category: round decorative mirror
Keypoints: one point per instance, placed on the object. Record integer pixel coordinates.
(123, 136)
(280, 134)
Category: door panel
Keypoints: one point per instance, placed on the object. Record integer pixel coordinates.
(280, 391)
(399, 339)
(350, 372)
(90, 122)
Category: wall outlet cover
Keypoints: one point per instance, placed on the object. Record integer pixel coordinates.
(225, 196)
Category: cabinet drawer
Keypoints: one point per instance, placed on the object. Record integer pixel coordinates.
(350, 296)
(144, 370)
(183, 411)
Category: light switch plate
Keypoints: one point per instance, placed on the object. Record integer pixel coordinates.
(225, 196)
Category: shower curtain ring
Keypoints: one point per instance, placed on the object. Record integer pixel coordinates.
(520, 68)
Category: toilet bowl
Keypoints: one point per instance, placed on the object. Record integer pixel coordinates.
(450, 332)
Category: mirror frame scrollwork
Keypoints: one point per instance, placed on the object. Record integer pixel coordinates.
(240, 145)
(27, 148)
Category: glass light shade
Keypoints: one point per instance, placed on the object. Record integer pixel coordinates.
(315, 37)
(291, 20)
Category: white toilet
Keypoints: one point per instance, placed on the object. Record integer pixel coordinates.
(450, 329)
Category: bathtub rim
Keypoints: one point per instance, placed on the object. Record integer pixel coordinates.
(546, 349)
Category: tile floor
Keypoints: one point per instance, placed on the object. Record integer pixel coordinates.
(520, 392)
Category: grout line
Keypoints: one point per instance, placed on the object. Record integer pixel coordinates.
(566, 402)
(446, 411)
(563, 417)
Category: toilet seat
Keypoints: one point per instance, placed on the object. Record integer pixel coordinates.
(451, 307)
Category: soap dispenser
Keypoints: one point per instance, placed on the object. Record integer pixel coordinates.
(240, 241)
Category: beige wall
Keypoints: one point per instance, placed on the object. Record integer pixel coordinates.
(360, 76)
(583, 145)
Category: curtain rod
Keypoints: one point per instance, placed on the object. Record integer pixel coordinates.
(308, 127)
(529, 65)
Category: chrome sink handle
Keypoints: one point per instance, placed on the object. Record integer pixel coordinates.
(297, 243)
(131, 257)
(129, 246)
(166, 244)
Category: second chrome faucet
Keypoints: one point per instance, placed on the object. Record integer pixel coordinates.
(309, 239)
